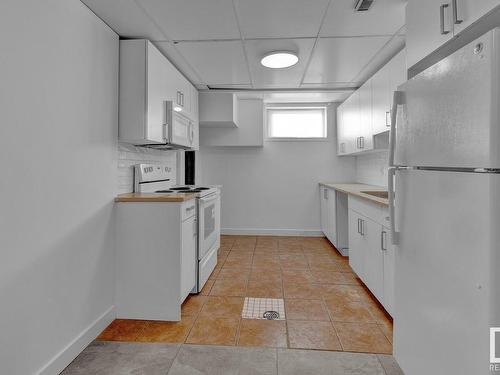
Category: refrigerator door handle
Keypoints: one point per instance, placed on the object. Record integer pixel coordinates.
(390, 186)
(397, 99)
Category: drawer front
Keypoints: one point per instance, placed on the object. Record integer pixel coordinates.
(188, 209)
(375, 211)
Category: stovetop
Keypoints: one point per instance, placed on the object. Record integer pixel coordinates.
(185, 190)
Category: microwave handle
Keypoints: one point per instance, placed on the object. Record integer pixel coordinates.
(165, 122)
(191, 133)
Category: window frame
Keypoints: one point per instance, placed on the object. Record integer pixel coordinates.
(295, 106)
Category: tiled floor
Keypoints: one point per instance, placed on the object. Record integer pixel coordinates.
(326, 305)
(120, 358)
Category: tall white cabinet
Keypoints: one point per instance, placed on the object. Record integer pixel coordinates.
(147, 81)
(366, 113)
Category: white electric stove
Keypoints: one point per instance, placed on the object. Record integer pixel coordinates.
(160, 179)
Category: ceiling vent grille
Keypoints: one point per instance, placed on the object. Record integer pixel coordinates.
(363, 5)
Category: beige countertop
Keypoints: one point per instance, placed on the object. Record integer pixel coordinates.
(153, 197)
(357, 190)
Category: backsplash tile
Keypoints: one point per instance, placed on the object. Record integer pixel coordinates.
(372, 168)
(129, 155)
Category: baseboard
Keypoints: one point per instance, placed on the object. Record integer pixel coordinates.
(75, 347)
(273, 232)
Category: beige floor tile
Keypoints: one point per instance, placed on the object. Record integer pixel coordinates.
(264, 289)
(344, 293)
(362, 337)
(229, 288)
(263, 333)
(223, 307)
(240, 274)
(312, 335)
(306, 309)
(123, 330)
(214, 331)
(302, 291)
(193, 304)
(207, 287)
(168, 332)
(355, 312)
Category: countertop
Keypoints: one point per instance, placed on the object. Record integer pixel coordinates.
(153, 197)
(357, 190)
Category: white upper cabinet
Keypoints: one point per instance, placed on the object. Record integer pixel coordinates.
(431, 23)
(147, 81)
(364, 141)
(348, 127)
(366, 112)
(469, 11)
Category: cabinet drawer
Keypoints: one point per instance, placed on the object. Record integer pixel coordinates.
(375, 211)
(188, 209)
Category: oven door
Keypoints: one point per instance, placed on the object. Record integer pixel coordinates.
(209, 223)
(181, 130)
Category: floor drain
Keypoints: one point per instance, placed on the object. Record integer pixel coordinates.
(271, 315)
(263, 308)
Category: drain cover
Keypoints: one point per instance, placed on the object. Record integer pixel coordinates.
(271, 315)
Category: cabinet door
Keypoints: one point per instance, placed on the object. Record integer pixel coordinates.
(381, 100)
(389, 254)
(331, 216)
(424, 30)
(374, 261)
(157, 77)
(350, 123)
(356, 250)
(341, 134)
(324, 209)
(365, 138)
(188, 258)
(469, 11)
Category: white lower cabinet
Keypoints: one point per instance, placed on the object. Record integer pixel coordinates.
(371, 254)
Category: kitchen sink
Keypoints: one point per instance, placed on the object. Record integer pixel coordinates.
(379, 194)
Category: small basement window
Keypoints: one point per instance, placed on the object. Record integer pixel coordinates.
(296, 122)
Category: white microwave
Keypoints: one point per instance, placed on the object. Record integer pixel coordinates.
(178, 129)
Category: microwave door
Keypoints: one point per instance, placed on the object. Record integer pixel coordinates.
(180, 129)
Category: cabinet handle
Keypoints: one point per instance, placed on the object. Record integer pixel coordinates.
(361, 142)
(359, 226)
(383, 240)
(182, 99)
(195, 228)
(388, 118)
(357, 142)
(441, 18)
(454, 5)
(325, 193)
(362, 227)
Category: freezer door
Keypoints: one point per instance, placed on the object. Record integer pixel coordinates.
(445, 283)
(450, 113)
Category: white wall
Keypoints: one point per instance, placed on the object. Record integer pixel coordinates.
(58, 114)
(274, 189)
(372, 168)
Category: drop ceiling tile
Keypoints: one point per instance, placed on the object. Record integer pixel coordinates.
(217, 63)
(194, 19)
(341, 59)
(125, 18)
(176, 58)
(280, 18)
(271, 78)
(385, 17)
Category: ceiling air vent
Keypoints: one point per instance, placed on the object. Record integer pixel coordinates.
(363, 5)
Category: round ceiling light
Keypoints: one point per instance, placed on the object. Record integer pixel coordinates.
(279, 59)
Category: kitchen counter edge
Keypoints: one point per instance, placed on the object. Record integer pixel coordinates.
(357, 189)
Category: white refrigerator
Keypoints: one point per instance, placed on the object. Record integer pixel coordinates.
(444, 184)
